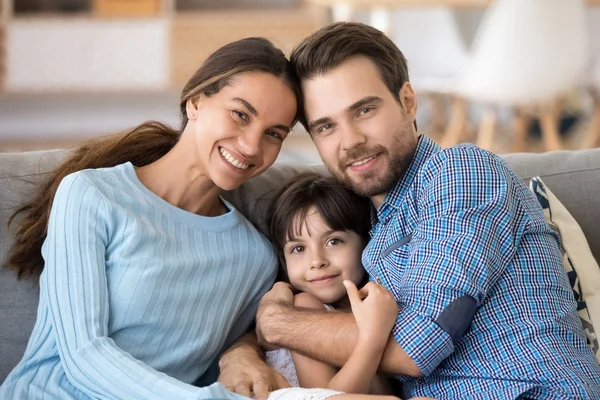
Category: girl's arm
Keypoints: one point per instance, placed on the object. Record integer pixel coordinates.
(75, 284)
(357, 374)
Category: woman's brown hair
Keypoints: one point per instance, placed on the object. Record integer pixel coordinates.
(141, 145)
(340, 208)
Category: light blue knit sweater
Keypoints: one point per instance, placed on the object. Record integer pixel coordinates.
(138, 297)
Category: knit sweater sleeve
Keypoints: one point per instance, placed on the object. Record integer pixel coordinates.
(75, 283)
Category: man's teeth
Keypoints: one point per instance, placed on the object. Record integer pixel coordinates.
(231, 160)
(361, 162)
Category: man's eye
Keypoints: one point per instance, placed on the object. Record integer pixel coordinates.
(325, 127)
(366, 110)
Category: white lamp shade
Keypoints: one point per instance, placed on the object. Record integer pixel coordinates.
(528, 51)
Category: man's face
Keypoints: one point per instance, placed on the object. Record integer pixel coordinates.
(364, 136)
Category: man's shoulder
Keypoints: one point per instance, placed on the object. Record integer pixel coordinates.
(463, 161)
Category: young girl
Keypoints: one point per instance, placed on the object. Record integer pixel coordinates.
(148, 274)
(319, 229)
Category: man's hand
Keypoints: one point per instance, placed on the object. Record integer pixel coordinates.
(269, 308)
(281, 292)
(243, 371)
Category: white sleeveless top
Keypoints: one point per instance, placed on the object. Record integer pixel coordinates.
(281, 361)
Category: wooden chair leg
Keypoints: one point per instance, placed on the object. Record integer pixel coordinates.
(487, 130)
(456, 125)
(549, 121)
(438, 118)
(592, 137)
(520, 123)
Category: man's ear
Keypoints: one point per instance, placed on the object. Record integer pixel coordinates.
(408, 100)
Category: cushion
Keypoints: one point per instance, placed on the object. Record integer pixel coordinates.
(582, 269)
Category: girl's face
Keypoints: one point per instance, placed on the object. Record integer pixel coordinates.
(319, 259)
(238, 131)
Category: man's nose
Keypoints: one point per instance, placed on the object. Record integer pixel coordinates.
(351, 136)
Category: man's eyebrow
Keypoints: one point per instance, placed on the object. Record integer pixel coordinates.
(362, 102)
(247, 105)
(353, 107)
(312, 125)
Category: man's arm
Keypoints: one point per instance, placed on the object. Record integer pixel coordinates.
(281, 324)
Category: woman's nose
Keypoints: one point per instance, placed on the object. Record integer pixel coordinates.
(250, 143)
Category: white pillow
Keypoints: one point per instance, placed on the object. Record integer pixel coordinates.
(580, 264)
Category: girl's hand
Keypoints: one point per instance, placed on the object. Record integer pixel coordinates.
(375, 311)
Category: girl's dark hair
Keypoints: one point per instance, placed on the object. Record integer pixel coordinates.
(340, 208)
(144, 144)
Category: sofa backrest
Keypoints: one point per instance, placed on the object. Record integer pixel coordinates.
(574, 177)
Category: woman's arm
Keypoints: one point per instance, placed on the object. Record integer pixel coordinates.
(75, 284)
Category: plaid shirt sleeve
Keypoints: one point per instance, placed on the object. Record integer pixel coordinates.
(461, 245)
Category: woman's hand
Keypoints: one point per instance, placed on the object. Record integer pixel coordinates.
(375, 311)
(243, 371)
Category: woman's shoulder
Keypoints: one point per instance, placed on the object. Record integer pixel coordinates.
(97, 177)
(89, 184)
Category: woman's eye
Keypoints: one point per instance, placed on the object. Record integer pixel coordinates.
(241, 115)
(297, 249)
(275, 134)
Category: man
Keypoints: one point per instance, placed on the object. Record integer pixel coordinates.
(485, 307)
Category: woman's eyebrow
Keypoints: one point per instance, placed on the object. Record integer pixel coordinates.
(247, 105)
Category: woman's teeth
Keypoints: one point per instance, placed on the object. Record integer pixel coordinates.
(231, 160)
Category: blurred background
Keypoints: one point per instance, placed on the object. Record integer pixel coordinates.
(508, 75)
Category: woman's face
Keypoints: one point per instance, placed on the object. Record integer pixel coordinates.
(239, 131)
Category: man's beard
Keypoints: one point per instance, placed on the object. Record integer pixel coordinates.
(396, 160)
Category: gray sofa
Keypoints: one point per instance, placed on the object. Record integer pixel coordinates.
(574, 176)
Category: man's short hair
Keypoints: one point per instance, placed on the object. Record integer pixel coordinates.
(328, 47)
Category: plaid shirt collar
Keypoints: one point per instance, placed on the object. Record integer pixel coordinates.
(425, 149)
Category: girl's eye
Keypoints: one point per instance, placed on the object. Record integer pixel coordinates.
(334, 242)
(275, 134)
(241, 115)
(297, 249)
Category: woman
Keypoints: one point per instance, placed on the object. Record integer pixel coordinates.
(148, 273)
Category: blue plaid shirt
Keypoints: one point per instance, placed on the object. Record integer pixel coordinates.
(485, 306)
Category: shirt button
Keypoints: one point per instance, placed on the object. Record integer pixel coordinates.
(420, 381)
(378, 281)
